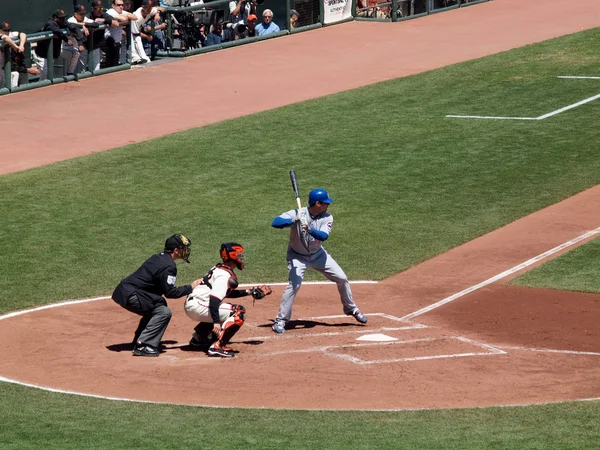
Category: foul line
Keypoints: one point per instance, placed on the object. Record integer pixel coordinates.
(542, 117)
(581, 78)
(504, 274)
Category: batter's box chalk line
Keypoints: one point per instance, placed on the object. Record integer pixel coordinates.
(362, 329)
(333, 351)
(543, 116)
(548, 350)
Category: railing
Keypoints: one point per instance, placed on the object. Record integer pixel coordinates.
(184, 24)
(398, 10)
(33, 40)
(190, 25)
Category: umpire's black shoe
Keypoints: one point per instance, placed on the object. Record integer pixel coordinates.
(145, 350)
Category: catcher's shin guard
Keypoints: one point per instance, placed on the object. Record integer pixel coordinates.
(231, 325)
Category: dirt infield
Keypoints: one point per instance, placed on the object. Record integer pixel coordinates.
(494, 345)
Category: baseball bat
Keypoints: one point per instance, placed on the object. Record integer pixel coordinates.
(295, 187)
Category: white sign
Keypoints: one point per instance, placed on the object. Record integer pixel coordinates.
(336, 10)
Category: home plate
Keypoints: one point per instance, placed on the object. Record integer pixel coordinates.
(376, 337)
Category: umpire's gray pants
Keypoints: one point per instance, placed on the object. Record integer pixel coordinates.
(153, 326)
(321, 262)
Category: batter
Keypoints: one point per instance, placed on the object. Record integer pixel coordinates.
(310, 226)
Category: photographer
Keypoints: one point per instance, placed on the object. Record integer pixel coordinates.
(240, 10)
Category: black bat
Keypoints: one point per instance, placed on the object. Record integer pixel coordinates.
(295, 187)
(303, 233)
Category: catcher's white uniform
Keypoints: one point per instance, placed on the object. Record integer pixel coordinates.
(221, 281)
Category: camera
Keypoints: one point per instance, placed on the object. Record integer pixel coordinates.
(188, 25)
(237, 27)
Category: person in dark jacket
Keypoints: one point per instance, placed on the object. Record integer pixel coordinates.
(55, 24)
(143, 293)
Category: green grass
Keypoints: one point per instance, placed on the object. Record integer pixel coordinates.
(576, 270)
(408, 184)
(403, 176)
(67, 422)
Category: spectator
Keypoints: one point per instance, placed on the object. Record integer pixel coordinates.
(143, 14)
(384, 11)
(114, 36)
(77, 53)
(267, 26)
(215, 36)
(250, 27)
(158, 38)
(41, 50)
(294, 16)
(240, 10)
(366, 8)
(100, 17)
(18, 69)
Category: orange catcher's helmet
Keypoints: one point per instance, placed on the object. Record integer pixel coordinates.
(233, 251)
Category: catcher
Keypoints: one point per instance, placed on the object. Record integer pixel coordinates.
(219, 320)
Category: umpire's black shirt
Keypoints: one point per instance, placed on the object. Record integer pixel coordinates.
(157, 277)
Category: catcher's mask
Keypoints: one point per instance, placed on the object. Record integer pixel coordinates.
(233, 251)
(181, 242)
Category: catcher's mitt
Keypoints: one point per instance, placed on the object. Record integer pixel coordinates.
(260, 292)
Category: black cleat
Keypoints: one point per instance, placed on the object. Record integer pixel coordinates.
(221, 352)
(145, 350)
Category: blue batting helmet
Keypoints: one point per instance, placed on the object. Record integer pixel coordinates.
(318, 195)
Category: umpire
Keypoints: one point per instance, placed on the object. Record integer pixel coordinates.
(142, 293)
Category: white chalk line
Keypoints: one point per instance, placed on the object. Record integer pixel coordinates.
(330, 350)
(549, 350)
(93, 299)
(504, 274)
(579, 78)
(123, 399)
(542, 117)
(362, 330)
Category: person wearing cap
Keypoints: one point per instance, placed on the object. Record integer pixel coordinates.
(250, 27)
(267, 26)
(55, 24)
(143, 14)
(144, 292)
(114, 36)
(99, 17)
(309, 227)
(18, 69)
(77, 53)
(294, 16)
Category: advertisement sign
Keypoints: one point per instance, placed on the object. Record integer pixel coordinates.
(336, 10)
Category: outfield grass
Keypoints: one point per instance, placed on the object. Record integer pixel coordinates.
(408, 184)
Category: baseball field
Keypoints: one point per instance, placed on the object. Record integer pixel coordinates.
(419, 167)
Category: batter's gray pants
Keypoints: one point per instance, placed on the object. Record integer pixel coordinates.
(321, 262)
